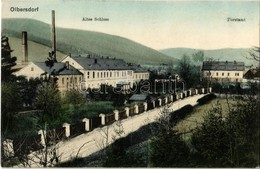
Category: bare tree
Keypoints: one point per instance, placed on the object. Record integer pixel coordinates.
(254, 54)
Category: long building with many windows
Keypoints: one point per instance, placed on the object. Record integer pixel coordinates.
(104, 70)
(223, 71)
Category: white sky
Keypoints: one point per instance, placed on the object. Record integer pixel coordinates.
(160, 25)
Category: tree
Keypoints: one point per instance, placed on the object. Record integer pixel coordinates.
(7, 61)
(255, 54)
(184, 69)
(48, 100)
(73, 97)
(28, 89)
(243, 125)
(211, 141)
(167, 147)
(231, 141)
(198, 57)
(11, 103)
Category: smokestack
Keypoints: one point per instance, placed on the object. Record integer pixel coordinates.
(53, 35)
(25, 48)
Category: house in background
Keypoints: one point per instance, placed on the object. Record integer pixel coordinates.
(67, 76)
(109, 71)
(252, 73)
(223, 71)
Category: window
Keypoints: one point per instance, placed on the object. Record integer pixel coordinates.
(79, 78)
(62, 80)
(93, 75)
(104, 74)
(75, 79)
(107, 74)
(101, 74)
(222, 74)
(129, 73)
(97, 74)
(88, 75)
(110, 74)
(32, 69)
(228, 74)
(117, 74)
(216, 74)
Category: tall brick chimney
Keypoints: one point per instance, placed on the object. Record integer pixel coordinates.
(25, 48)
(53, 34)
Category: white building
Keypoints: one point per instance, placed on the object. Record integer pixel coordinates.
(105, 70)
(220, 71)
(67, 76)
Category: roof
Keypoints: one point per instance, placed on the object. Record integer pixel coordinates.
(227, 66)
(58, 68)
(105, 63)
(138, 97)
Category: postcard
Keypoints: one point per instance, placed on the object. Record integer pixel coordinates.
(147, 83)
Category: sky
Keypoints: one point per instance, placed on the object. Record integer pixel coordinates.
(156, 24)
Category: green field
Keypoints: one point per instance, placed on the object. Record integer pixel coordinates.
(199, 112)
(82, 42)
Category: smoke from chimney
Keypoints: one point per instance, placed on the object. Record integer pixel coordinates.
(53, 35)
(25, 48)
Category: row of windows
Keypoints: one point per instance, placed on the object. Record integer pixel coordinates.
(141, 76)
(222, 74)
(70, 80)
(108, 74)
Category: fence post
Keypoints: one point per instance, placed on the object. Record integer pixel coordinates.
(116, 112)
(177, 96)
(8, 148)
(136, 109)
(210, 89)
(160, 102)
(181, 95)
(196, 91)
(43, 136)
(86, 120)
(190, 92)
(103, 116)
(67, 129)
(127, 111)
(145, 106)
(202, 90)
(153, 104)
(166, 100)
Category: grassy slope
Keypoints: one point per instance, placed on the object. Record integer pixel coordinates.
(37, 52)
(229, 54)
(81, 42)
(196, 118)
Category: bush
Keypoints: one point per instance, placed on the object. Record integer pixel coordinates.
(206, 99)
(181, 113)
(73, 97)
(91, 110)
